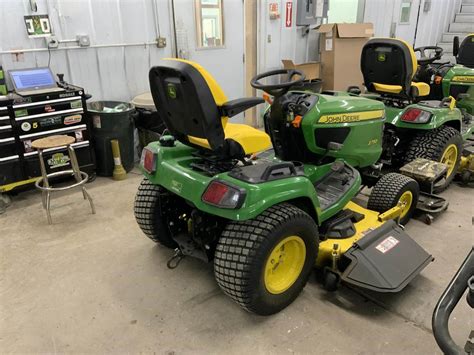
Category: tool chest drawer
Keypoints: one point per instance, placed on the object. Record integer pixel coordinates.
(6, 131)
(48, 106)
(4, 118)
(8, 147)
(10, 169)
(31, 124)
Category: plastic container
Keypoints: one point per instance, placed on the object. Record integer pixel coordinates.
(112, 120)
(148, 122)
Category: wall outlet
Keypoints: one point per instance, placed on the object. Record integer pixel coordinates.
(52, 42)
(161, 42)
(83, 40)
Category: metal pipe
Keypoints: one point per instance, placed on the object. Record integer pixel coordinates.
(30, 50)
(156, 19)
(68, 41)
(448, 301)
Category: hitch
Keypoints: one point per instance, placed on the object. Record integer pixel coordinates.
(174, 261)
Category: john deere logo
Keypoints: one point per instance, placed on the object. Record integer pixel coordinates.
(58, 160)
(171, 91)
(381, 57)
(177, 186)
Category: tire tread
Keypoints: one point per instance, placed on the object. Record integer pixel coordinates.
(237, 249)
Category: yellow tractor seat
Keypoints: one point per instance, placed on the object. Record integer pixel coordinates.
(418, 89)
(252, 140)
(196, 111)
(388, 66)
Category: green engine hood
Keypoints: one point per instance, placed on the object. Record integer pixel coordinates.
(354, 121)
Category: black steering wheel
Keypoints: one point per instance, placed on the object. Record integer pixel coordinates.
(425, 60)
(281, 88)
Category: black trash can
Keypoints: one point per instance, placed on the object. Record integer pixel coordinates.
(148, 122)
(112, 120)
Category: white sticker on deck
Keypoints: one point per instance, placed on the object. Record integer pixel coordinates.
(387, 244)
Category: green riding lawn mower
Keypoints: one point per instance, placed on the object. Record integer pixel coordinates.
(428, 107)
(426, 139)
(266, 218)
(455, 80)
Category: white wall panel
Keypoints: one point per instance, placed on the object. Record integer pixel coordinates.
(431, 24)
(117, 73)
(285, 43)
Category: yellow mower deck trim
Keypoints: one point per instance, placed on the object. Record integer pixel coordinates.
(368, 224)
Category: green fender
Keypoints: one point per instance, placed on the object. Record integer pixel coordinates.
(174, 173)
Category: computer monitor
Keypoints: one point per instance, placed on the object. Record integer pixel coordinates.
(32, 79)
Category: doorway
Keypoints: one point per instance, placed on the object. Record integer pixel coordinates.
(211, 33)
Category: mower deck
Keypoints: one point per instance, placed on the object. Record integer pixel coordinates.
(379, 256)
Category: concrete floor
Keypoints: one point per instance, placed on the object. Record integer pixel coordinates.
(95, 284)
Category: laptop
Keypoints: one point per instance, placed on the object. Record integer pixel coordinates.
(33, 81)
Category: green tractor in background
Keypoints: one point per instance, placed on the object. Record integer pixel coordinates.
(417, 126)
(455, 80)
(214, 192)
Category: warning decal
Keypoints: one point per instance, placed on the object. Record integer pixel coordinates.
(289, 14)
(387, 244)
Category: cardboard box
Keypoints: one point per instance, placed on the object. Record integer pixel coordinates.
(310, 69)
(341, 46)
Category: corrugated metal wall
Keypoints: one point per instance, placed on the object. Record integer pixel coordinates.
(117, 73)
(431, 24)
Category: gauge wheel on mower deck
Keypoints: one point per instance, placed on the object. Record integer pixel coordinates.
(265, 262)
(148, 214)
(395, 189)
(443, 144)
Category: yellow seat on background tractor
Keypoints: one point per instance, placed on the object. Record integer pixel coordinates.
(422, 89)
(389, 66)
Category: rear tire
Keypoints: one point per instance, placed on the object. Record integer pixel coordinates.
(434, 145)
(390, 190)
(249, 268)
(148, 214)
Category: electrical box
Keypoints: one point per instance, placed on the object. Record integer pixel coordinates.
(83, 40)
(309, 11)
(161, 42)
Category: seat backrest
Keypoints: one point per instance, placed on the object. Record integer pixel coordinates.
(388, 66)
(466, 52)
(188, 99)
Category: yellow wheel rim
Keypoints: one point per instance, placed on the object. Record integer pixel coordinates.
(405, 201)
(450, 157)
(284, 264)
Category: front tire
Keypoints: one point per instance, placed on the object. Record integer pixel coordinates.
(395, 189)
(443, 144)
(149, 216)
(264, 263)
